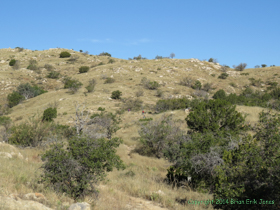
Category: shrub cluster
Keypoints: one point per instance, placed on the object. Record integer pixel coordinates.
(24, 91)
(109, 80)
(12, 62)
(148, 84)
(53, 75)
(49, 114)
(91, 85)
(172, 104)
(223, 76)
(33, 65)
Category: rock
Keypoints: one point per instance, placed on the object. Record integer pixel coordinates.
(80, 206)
(2, 61)
(11, 203)
(6, 155)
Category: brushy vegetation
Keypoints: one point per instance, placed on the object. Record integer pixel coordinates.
(109, 80)
(105, 54)
(91, 85)
(72, 84)
(148, 84)
(53, 75)
(116, 94)
(12, 62)
(49, 114)
(64, 54)
(83, 69)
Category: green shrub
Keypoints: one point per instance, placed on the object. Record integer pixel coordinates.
(220, 94)
(30, 133)
(77, 170)
(211, 60)
(196, 85)
(72, 84)
(33, 65)
(159, 93)
(109, 80)
(223, 76)
(49, 114)
(14, 99)
(12, 62)
(29, 91)
(245, 74)
(64, 54)
(213, 75)
(216, 115)
(264, 65)
(145, 119)
(173, 104)
(186, 82)
(53, 75)
(251, 170)
(232, 84)
(101, 109)
(152, 85)
(105, 54)
(116, 94)
(83, 69)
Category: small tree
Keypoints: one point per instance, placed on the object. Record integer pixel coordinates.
(116, 94)
(211, 60)
(264, 65)
(172, 55)
(220, 94)
(240, 67)
(78, 169)
(49, 114)
(80, 120)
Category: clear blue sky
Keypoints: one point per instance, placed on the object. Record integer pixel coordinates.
(232, 31)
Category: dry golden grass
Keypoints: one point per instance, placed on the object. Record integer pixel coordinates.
(121, 191)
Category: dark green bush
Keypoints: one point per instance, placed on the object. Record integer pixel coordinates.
(211, 60)
(152, 85)
(76, 170)
(223, 76)
(49, 114)
(109, 80)
(64, 54)
(245, 74)
(220, 94)
(240, 67)
(116, 94)
(173, 104)
(251, 170)
(53, 75)
(83, 69)
(216, 115)
(264, 65)
(101, 109)
(105, 54)
(12, 62)
(14, 99)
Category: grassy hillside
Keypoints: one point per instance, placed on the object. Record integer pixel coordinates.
(136, 186)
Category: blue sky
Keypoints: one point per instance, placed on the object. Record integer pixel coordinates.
(230, 31)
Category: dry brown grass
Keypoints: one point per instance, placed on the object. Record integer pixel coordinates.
(122, 191)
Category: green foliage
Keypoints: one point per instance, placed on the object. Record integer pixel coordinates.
(251, 170)
(173, 104)
(264, 65)
(207, 86)
(64, 54)
(145, 119)
(14, 99)
(101, 109)
(223, 76)
(72, 84)
(213, 75)
(211, 60)
(105, 54)
(12, 62)
(49, 114)
(64, 130)
(77, 169)
(83, 69)
(53, 75)
(245, 74)
(196, 85)
(29, 91)
(30, 133)
(116, 94)
(220, 94)
(216, 115)
(109, 80)
(152, 85)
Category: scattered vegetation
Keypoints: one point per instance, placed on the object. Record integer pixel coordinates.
(223, 76)
(72, 84)
(53, 75)
(49, 114)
